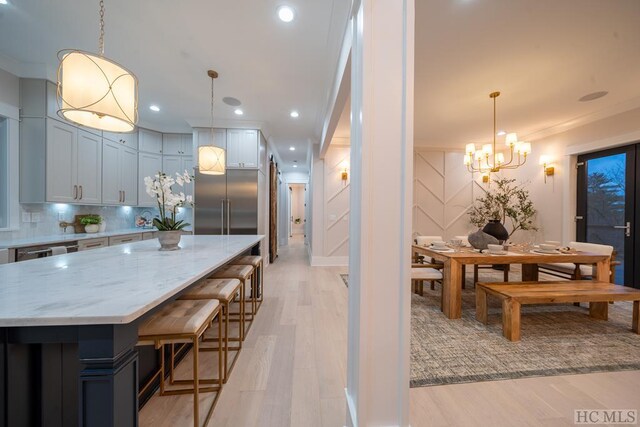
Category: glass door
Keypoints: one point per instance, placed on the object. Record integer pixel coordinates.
(606, 205)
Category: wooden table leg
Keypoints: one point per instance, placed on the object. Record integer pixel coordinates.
(481, 305)
(599, 310)
(603, 272)
(452, 289)
(511, 319)
(529, 272)
(635, 324)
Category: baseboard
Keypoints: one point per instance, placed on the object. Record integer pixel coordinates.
(329, 261)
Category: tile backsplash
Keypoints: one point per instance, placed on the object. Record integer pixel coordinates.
(50, 215)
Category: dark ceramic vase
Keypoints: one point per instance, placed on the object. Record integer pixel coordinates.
(497, 230)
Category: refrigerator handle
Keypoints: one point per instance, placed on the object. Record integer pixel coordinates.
(228, 216)
(222, 218)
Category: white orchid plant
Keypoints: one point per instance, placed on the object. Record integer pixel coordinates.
(160, 188)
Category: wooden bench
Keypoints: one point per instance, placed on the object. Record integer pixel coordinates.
(514, 294)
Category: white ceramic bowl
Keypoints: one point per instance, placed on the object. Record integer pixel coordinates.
(439, 244)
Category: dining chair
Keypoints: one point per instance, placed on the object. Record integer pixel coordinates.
(426, 241)
(571, 271)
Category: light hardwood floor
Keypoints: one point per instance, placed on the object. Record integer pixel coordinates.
(292, 371)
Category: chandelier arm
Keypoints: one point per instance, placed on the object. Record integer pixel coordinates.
(510, 157)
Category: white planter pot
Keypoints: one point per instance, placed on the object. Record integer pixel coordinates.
(91, 228)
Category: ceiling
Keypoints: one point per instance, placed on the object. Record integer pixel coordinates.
(272, 67)
(543, 55)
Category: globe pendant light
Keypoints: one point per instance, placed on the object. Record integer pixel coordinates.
(211, 159)
(94, 91)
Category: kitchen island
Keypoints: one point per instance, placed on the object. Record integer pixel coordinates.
(68, 326)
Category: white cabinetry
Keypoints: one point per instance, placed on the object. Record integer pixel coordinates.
(202, 136)
(88, 244)
(120, 174)
(74, 164)
(178, 164)
(242, 149)
(177, 144)
(128, 139)
(149, 141)
(149, 164)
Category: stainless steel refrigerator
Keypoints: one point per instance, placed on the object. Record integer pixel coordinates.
(226, 204)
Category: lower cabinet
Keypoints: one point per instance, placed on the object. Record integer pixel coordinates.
(88, 244)
(149, 235)
(128, 238)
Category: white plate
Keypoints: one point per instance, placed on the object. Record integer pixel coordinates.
(441, 250)
(496, 253)
(542, 251)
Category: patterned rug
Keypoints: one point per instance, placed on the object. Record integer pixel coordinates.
(555, 340)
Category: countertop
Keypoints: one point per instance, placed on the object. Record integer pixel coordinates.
(110, 285)
(58, 238)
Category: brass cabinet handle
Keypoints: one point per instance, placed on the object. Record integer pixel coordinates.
(93, 245)
(81, 192)
(75, 192)
(124, 196)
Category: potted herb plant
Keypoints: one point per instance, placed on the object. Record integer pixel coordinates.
(160, 188)
(91, 223)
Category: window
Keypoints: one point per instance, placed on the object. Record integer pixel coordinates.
(4, 172)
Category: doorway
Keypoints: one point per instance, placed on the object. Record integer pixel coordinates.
(608, 193)
(297, 203)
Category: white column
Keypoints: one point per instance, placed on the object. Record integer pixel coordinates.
(381, 200)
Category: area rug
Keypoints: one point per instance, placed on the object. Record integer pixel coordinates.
(555, 340)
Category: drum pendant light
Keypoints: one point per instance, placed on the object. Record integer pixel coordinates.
(211, 159)
(94, 91)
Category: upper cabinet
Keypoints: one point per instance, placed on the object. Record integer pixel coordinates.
(128, 139)
(242, 149)
(149, 141)
(74, 165)
(120, 174)
(177, 144)
(202, 136)
(149, 164)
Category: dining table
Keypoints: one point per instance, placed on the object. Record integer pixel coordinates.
(454, 258)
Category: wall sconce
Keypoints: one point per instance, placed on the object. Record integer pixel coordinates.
(485, 178)
(345, 173)
(547, 168)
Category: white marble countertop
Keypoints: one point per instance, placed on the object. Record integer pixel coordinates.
(67, 237)
(111, 285)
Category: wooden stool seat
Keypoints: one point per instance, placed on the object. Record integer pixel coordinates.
(233, 271)
(254, 260)
(179, 318)
(219, 289)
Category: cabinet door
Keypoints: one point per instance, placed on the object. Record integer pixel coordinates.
(89, 168)
(61, 162)
(129, 176)
(111, 171)
(202, 136)
(150, 141)
(171, 144)
(187, 165)
(171, 165)
(128, 139)
(187, 144)
(249, 149)
(234, 137)
(149, 164)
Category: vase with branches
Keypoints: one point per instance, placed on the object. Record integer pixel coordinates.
(506, 201)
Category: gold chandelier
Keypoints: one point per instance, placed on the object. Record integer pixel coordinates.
(487, 159)
(211, 159)
(96, 92)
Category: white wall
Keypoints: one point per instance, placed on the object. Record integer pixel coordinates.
(297, 207)
(330, 208)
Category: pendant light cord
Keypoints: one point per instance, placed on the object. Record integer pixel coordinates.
(101, 40)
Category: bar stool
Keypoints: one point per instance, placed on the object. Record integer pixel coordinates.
(258, 277)
(183, 321)
(244, 273)
(224, 291)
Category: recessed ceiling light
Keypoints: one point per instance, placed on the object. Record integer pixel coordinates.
(238, 112)
(593, 96)
(292, 148)
(294, 114)
(295, 166)
(501, 133)
(229, 100)
(286, 13)
(4, 2)
(151, 107)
